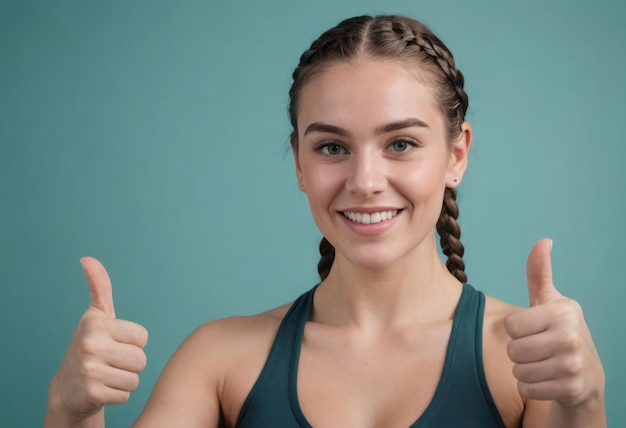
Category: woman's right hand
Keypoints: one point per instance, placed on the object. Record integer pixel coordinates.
(102, 362)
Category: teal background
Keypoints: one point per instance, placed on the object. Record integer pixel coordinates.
(154, 136)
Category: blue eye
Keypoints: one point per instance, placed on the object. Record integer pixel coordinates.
(401, 146)
(332, 149)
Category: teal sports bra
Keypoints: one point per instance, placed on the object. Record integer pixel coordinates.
(461, 399)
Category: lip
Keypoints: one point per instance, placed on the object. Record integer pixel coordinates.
(371, 229)
(368, 210)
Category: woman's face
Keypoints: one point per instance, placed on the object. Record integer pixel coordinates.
(373, 158)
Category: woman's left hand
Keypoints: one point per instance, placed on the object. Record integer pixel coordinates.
(551, 346)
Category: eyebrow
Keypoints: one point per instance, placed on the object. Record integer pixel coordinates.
(382, 129)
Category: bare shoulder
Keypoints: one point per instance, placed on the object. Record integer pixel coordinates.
(495, 313)
(208, 377)
(231, 335)
(499, 367)
(495, 338)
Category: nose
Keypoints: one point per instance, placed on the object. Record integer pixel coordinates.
(367, 175)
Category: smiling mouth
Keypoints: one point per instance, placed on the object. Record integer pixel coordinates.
(370, 218)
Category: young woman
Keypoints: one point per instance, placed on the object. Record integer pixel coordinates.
(390, 337)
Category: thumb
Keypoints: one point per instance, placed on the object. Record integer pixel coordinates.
(99, 286)
(539, 274)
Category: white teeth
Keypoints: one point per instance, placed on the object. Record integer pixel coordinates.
(372, 218)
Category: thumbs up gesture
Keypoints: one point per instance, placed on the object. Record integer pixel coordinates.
(104, 357)
(551, 347)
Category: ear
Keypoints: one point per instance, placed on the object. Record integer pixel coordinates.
(459, 152)
(293, 139)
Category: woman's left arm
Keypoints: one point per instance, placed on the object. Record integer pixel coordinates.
(553, 352)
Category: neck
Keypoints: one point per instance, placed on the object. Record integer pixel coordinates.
(417, 287)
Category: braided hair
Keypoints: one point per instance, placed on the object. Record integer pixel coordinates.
(398, 38)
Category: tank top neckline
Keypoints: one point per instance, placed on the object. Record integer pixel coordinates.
(441, 384)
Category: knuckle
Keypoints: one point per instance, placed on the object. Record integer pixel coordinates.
(573, 366)
(90, 345)
(559, 310)
(571, 340)
(87, 369)
(92, 394)
(573, 391)
(569, 310)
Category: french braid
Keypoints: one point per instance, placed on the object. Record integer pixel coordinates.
(340, 43)
(397, 38)
(450, 235)
(327, 253)
(447, 225)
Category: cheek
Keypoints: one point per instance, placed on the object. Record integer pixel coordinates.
(423, 186)
(321, 186)
(423, 178)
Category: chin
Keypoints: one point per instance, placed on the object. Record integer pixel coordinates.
(372, 260)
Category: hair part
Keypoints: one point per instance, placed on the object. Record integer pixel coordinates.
(396, 38)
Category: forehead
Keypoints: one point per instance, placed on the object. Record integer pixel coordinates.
(365, 94)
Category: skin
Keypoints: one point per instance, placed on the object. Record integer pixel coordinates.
(381, 320)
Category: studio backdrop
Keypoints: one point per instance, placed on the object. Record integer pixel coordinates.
(153, 135)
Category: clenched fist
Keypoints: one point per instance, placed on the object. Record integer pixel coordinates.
(551, 346)
(104, 357)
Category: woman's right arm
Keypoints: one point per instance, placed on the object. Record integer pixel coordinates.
(203, 385)
(102, 362)
(186, 393)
